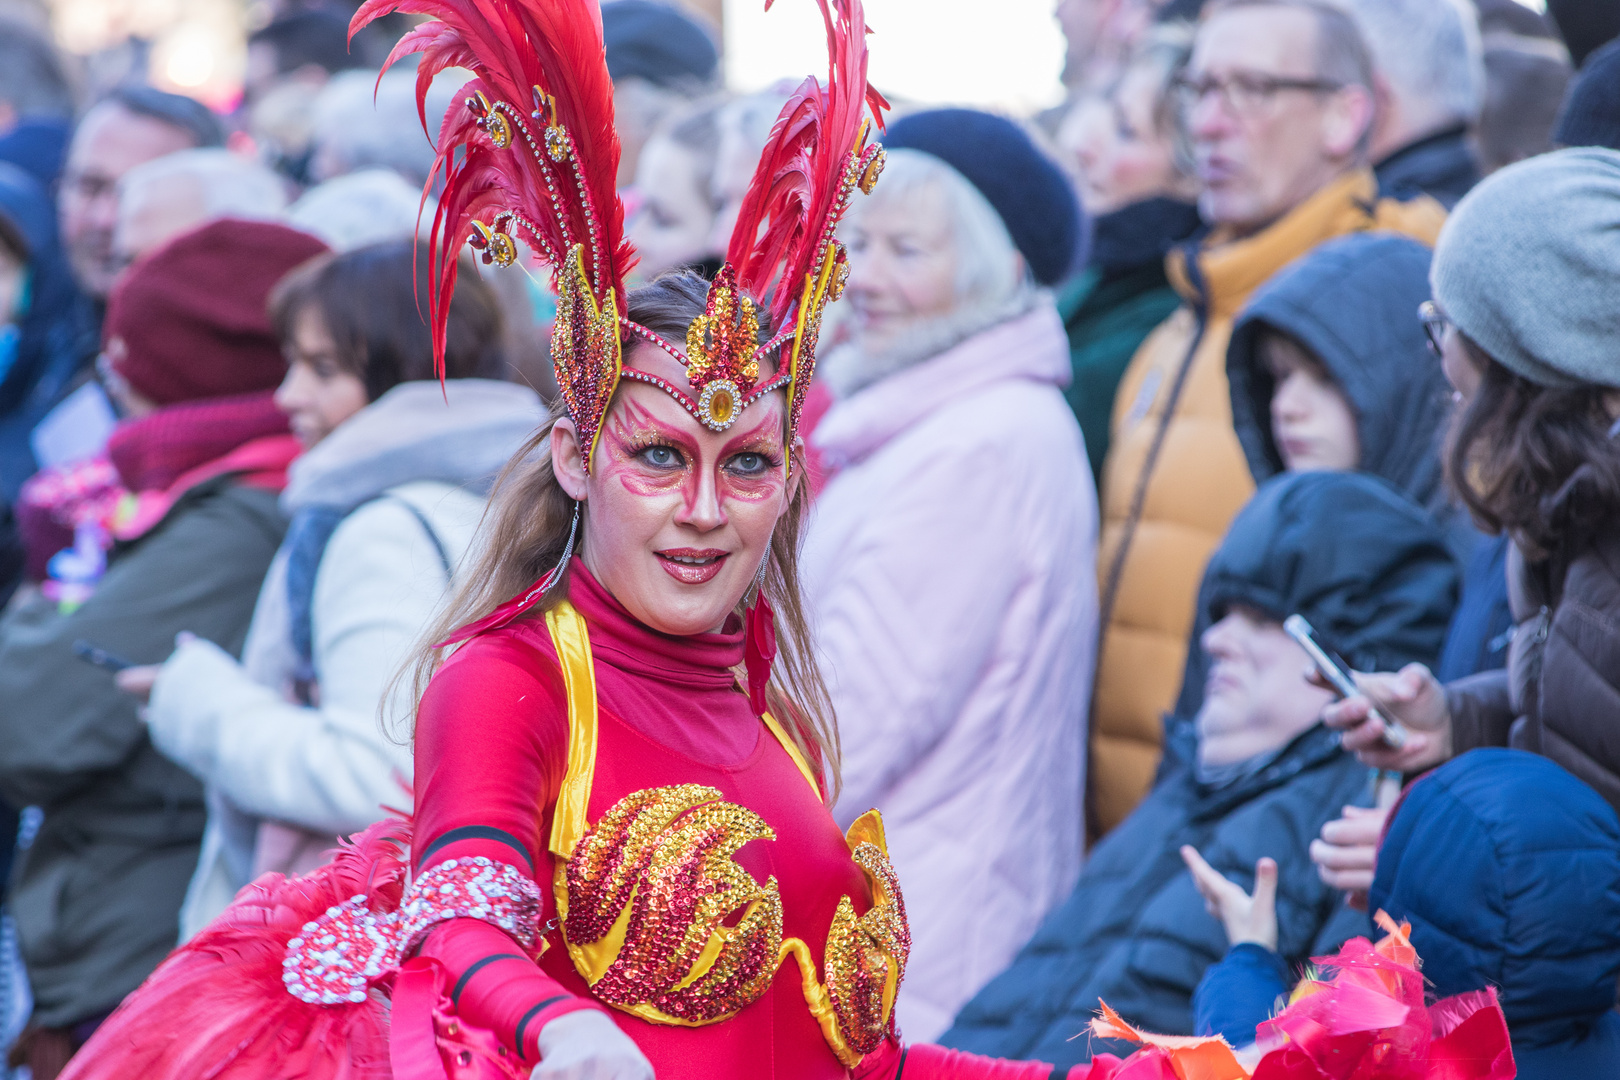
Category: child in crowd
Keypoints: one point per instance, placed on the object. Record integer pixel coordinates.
(383, 504)
(1508, 869)
(1329, 367)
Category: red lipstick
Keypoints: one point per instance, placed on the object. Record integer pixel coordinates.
(692, 566)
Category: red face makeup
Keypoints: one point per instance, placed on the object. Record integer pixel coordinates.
(678, 517)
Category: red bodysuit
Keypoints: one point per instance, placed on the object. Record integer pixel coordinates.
(492, 744)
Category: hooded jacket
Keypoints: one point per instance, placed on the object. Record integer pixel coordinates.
(1352, 303)
(405, 479)
(50, 340)
(1508, 869)
(948, 569)
(1176, 474)
(1371, 573)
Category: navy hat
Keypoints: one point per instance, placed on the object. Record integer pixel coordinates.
(1591, 112)
(1025, 187)
(653, 41)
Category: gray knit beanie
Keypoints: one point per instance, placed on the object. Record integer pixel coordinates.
(1528, 266)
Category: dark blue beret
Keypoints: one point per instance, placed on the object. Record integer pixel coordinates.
(654, 41)
(1029, 191)
(1591, 111)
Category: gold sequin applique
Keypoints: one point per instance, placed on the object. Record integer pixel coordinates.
(646, 900)
(865, 957)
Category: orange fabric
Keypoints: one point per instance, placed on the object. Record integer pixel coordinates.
(1191, 1057)
(1199, 479)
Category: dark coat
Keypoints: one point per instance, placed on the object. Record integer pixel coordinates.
(1560, 693)
(1508, 869)
(52, 347)
(1135, 934)
(55, 342)
(1370, 571)
(97, 896)
(1441, 165)
(1116, 302)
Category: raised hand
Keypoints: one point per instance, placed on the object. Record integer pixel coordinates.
(1248, 919)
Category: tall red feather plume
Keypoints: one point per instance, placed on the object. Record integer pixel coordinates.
(514, 47)
(796, 197)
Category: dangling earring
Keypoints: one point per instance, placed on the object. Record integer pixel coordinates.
(568, 548)
(759, 640)
(568, 553)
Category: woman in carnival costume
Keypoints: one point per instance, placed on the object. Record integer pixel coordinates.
(623, 864)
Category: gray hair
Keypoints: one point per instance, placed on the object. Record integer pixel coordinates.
(361, 122)
(1341, 52)
(1429, 52)
(225, 184)
(993, 281)
(361, 208)
(990, 272)
(1342, 56)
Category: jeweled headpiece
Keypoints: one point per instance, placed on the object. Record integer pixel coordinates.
(544, 172)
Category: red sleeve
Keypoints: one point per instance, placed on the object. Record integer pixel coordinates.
(491, 748)
(924, 1061)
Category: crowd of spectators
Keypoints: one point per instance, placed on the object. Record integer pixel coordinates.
(1293, 307)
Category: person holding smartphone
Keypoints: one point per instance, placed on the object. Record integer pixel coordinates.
(1524, 279)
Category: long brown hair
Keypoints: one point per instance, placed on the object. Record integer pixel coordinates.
(1534, 461)
(526, 528)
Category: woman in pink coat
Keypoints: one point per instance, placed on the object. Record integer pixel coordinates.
(950, 563)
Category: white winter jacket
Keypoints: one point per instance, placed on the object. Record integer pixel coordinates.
(407, 464)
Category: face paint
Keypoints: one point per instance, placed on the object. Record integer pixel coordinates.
(678, 517)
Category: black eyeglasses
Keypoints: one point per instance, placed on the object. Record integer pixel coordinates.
(1243, 92)
(1435, 326)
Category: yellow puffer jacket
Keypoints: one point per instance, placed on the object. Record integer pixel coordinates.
(1175, 476)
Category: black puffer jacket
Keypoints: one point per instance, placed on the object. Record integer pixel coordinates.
(1370, 571)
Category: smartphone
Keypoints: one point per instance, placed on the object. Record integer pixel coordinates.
(95, 654)
(1338, 675)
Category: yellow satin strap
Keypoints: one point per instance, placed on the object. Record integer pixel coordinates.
(573, 645)
(793, 752)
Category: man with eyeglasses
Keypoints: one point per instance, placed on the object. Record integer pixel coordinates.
(1278, 102)
(128, 128)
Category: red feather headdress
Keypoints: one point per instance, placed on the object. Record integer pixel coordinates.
(532, 153)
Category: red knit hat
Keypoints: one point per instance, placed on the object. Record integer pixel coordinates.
(188, 321)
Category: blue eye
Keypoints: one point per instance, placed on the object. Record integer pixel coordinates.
(662, 457)
(749, 463)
